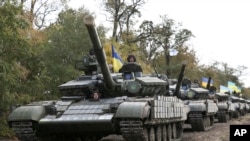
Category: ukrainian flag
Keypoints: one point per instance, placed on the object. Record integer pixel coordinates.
(233, 87)
(204, 82)
(117, 60)
(224, 89)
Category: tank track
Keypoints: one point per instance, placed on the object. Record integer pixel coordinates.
(201, 123)
(132, 130)
(236, 114)
(223, 116)
(24, 130)
(136, 130)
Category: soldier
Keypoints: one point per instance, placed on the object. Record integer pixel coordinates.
(96, 95)
(91, 65)
(131, 58)
(131, 66)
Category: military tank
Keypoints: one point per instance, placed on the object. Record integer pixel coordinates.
(248, 105)
(244, 105)
(239, 106)
(202, 105)
(137, 106)
(225, 107)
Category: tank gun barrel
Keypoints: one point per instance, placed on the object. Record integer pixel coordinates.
(181, 75)
(209, 83)
(98, 50)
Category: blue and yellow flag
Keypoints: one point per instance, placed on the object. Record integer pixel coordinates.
(232, 86)
(116, 59)
(204, 82)
(224, 89)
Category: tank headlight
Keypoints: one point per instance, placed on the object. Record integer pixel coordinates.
(133, 87)
(190, 94)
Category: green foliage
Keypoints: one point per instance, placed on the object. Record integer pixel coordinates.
(14, 51)
(4, 129)
(68, 41)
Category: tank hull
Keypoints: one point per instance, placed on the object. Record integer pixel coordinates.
(225, 111)
(97, 119)
(201, 115)
(77, 125)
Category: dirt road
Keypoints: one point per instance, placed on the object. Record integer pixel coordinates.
(220, 131)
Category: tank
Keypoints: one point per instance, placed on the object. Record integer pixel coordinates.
(239, 106)
(248, 105)
(202, 105)
(137, 106)
(244, 106)
(225, 107)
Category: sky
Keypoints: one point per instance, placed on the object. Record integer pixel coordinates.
(221, 27)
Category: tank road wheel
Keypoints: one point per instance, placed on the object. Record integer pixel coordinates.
(227, 117)
(237, 115)
(164, 133)
(203, 124)
(230, 115)
(145, 133)
(209, 121)
(200, 124)
(158, 133)
(152, 134)
(206, 123)
(169, 130)
(174, 131)
(179, 130)
(223, 117)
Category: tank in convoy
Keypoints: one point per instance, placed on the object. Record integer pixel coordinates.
(226, 108)
(201, 102)
(239, 105)
(137, 106)
(248, 105)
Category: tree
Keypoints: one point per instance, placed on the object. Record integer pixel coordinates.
(68, 41)
(122, 12)
(14, 52)
(155, 39)
(38, 11)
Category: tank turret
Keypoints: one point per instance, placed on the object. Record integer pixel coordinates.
(130, 82)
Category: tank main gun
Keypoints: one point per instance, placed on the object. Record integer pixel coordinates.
(208, 83)
(98, 50)
(181, 75)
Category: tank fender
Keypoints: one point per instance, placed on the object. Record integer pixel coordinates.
(197, 106)
(211, 106)
(222, 106)
(133, 110)
(34, 113)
